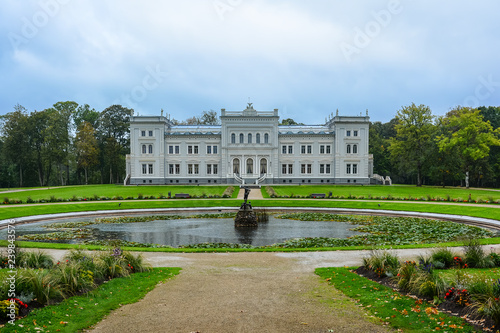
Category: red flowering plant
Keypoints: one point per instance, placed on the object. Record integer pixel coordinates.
(459, 263)
(19, 302)
(459, 296)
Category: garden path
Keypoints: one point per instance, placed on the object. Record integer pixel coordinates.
(245, 292)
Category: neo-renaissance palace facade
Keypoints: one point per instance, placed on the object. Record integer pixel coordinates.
(249, 147)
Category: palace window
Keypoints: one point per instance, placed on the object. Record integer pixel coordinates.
(174, 169)
(249, 137)
(324, 168)
(241, 137)
(306, 168)
(250, 166)
(355, 169)
(348, 133)
(192, 149)
(236, 166)
(150, 133)
(212, 169)
(324, 149)
(348, 149)
(144, 149)
(144, 169)
(143, 133)
(290, 149)
(348, 169)
(193, 169)
(257, 138)
(233, 138)
(266, 138)
(150, 149)
(150, 169)
(287, 169)
(354, 149)
(209, 149)
(355, 133)
(309, 149)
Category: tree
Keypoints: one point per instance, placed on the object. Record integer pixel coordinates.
(209, 118)
(412, 144)
(469, 136)
(87, 149)
(38, 124)
(114, 127)
(290, 121)
(16, 142)
(85, 113)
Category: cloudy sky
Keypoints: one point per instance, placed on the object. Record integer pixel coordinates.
(306, 58)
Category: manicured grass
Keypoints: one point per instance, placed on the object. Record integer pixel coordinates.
(486, 211)
(67, 192)
(402, 191)
(80, 312)
(492, 273)
(390, 307)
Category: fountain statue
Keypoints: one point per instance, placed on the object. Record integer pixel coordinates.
(245, 216)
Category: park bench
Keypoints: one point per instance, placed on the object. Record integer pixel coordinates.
(318, 195)
(182, 195)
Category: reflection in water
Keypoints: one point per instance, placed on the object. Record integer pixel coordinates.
(194, 231)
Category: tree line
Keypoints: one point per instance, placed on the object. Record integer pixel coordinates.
(69, 144)
(460, 148)
(75, 144)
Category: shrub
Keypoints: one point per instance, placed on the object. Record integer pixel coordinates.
(475, 255)
(42, 283)
(73, 278)
(270, 191)
(37, 259)
(495, 258)
(4, 308)
(406, 273)
(135, 264)
(382, 263)
(140, 196)
(29, 200)
(443, 255)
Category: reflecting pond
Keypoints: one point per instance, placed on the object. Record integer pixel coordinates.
(201, 230)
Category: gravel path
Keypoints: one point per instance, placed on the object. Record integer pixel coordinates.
(245, 292)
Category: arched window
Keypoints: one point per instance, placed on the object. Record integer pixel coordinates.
(144, 149)
(348, 149)
(233, 138)
(249, 137)
(263, 166)
(257, 138)
(249, 166)
(241, 137)
(266, 138)
(236, 166)
(354, 149)
(150, 149)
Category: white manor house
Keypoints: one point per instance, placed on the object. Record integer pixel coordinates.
(249, 147)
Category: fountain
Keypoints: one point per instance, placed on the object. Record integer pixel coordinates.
(245, 218)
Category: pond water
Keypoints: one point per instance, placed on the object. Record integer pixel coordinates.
(195, 231)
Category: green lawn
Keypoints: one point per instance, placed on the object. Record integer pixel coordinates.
(401, 191)
(80, 312)
(486, 211)
(67, 192)
(390, 307)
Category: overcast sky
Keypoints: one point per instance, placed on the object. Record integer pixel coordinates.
(305, 58)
